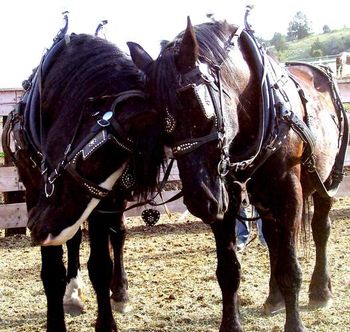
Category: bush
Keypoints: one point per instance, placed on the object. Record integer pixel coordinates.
(316, 53)
(347, 106)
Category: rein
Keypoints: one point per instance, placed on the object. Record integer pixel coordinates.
(149, 216)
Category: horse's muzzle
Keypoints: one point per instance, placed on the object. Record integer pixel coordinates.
(38, 230)
(207, 204)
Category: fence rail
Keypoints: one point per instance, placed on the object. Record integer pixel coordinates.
(14, 215)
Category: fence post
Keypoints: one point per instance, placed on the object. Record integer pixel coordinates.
(13, 197)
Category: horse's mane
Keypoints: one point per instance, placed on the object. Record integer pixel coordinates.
(87, 67)
(211, 37)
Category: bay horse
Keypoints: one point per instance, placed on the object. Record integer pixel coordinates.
(85, 142)
(245, 129)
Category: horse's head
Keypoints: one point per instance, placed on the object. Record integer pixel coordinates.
(193, 99)
(96, 127)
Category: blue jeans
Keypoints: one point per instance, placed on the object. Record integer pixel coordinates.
(242, 232)
(242, 227)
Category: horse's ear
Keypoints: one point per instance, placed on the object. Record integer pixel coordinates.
(188, 53)
(140, 57)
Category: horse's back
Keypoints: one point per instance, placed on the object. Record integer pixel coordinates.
(321, 114)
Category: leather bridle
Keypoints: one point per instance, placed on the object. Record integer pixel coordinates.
(106, 129)
(206, 87)
(23, 122)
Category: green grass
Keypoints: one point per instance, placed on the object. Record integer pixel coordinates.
(347, 106)
(300, 49)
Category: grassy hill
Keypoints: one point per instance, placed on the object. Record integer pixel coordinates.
(332, 43)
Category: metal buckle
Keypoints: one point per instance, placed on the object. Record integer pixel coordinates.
(103, 123)
(49, 194)
(223, 168)
(244, 193)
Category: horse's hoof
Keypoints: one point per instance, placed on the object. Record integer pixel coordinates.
(316, 304)
(121, 307)
(273, 309)
(74, 308)
(72, 300)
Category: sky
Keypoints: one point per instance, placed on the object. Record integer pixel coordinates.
(27, 27)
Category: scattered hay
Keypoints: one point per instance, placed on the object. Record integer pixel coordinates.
(172, 283)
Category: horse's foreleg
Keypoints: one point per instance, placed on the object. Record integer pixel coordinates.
(100, 272)
(320, 291)
(53, 275)
(72, 300)
(119, 285)
(228, 273)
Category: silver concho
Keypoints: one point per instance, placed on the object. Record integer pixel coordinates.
(107, 116)
(128, 179)
(150, 217)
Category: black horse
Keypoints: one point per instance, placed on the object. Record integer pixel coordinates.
(244, 129)
(86, 141)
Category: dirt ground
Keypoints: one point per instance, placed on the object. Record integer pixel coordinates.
(172, 283)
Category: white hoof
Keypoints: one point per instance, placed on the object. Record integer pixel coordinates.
(72, 300)
(121, 307)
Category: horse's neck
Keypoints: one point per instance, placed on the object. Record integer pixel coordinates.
(245, 100)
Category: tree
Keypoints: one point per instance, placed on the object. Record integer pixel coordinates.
(326, 29)
(316, 50)
(279, 41)
(299, 27)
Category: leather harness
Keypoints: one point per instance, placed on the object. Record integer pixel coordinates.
(275, 118)
(22, 124)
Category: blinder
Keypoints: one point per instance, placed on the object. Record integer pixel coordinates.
(200, 92)
(84, 151)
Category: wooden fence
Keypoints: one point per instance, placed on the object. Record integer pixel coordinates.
(13, 214)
